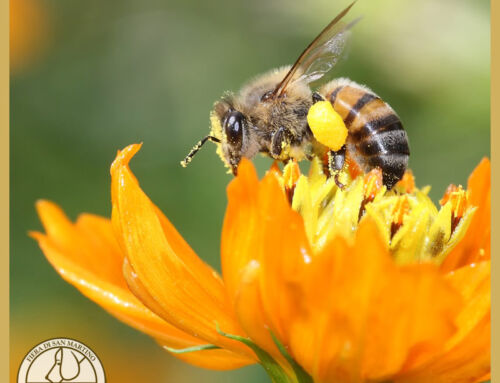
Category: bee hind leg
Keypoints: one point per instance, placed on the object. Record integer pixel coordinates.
(336, 164)
(316, 97)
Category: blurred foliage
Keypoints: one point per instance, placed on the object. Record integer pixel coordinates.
(115, 73)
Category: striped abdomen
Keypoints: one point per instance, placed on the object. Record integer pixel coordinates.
(376, 135)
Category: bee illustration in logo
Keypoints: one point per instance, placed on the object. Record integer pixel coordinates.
(271, 115)
(66, 366)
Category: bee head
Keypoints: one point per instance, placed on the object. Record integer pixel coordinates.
(230, 126)
(230, 131)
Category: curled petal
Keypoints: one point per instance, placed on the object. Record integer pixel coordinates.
(87, 256)
(190, 293)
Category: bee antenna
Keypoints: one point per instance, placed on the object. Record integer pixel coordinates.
(185, 162)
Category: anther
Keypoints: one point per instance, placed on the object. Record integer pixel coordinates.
(407, 183)
(291, 174)
(399, 211)
(373, 182)
(459, 200)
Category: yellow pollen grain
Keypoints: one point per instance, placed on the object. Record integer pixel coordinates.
(327, 125)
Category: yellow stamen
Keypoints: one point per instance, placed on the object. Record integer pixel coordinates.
(373, 184)
(407, 183)
(400, 210)
(458, 198)
(291, 174)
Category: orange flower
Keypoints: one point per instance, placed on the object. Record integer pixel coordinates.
(319, 284)
(29, 32)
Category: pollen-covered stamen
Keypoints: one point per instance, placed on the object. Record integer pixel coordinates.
(399, 211)
(373, 183)
(459, 200)
(407, 183)
(291, 174)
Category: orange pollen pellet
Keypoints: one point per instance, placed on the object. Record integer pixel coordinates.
(459, 200)
(400, 210)
(407, 182)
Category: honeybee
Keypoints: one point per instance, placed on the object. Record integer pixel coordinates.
(269, 115)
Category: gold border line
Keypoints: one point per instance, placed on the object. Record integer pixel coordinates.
(495, 179)
(4, 190)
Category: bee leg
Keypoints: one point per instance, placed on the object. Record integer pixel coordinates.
(336, 164)
(317, 97)
(280, 139)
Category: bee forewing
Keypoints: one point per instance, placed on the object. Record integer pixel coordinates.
(330, 41)
(325, 58)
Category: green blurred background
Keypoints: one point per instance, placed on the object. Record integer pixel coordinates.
(90, 77)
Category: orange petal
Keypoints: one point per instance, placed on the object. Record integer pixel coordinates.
(475, 246)
(240, 225)
(87, 256)
(262, 235)
(484, 378)
(465, 356)
(84, 242)
(467, 362)
(362, 317)
(213, 359)
(248, 305)
(283, 250)
(190, 293)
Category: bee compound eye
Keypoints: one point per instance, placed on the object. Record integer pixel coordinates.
(234, 128)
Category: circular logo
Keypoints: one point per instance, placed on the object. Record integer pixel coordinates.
(61, 360)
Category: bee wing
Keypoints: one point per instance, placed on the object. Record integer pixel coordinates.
(320, 55)
(324, 57)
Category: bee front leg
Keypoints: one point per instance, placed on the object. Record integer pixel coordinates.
(280, 139)
(336, 164)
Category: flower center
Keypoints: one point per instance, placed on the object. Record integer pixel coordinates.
(415, 230)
